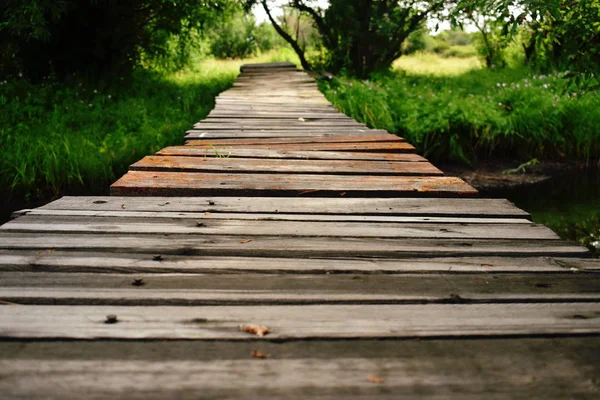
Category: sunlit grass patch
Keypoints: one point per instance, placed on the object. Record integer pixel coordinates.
(433, 64)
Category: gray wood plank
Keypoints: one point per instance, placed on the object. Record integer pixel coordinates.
(556, 368)
(372, 136)
(292, 322)
(289, 247)
(386, 147)
(56, 261)
(276, 289)
(201, 226)
(444, 207)
(232, 134)
(122, 213)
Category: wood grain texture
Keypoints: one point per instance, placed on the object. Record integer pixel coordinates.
(443, 207)
(201, 226)
(390, 147)
(526, 368)
(294, 166)
(230, 152)
(347, 138)
(128, 262)
(288, 247)
(281, 289)
(143, 183)
(122, 213)
(309, 321)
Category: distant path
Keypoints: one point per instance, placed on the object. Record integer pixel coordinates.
(287, 251)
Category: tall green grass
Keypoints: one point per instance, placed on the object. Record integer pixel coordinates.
(477, 114)
(77, 137)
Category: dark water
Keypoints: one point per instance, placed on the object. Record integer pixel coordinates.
(568, 204)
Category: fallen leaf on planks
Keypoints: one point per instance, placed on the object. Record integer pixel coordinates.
(246, 241)
(46, 251)
(258, 330)
(375, 379)
(123, 206)
(487, 265)
(258, 354)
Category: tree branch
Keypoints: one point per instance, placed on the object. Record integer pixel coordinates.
(287, 37)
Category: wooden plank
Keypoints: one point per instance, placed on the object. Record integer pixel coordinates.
(448, 207)
(289, 247)
(276, 289)
(217, 116)
(523, 369)
(389, 147)
(25, 295)
(56, 261)
(285, 122)
(347, 138)
(266, 125)
(157, 183)
(230, 152)
(233, 134)
(122, 213)
(254, 165)
(306, 322)
(201, 226)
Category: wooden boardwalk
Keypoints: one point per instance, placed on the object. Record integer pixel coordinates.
(287, 251)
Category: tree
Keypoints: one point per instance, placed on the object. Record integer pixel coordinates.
(360, 36)
(94, 37)
(489, 18)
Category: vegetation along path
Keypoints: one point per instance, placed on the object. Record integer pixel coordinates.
(287, 251)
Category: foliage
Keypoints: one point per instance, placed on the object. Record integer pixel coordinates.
(59, 137)
(485, 113)
(554, 34)
(360, 36)
(41, 38)
(234, 37)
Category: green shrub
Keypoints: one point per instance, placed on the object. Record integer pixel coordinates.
(476, 115)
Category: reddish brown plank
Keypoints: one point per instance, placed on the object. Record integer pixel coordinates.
(243, 165)
(352, 146)
(192, 184)
(231, 152)
(385, 137)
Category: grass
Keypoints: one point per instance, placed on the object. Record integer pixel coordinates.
(433, 64)
(452, 110)
(72, 137)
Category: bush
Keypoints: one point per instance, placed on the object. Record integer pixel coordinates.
(484, 113)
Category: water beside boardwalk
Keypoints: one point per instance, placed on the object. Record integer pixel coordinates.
(568, 204)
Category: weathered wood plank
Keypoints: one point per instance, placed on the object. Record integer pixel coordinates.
(231, 152)
(56, 261)
(309, 321)
(122, 213)
(219, 113)
(446, 207)
(201, 226)
(290, 247)
(156, 183)
(346, 138)
(294, 166)
(273, 289)
(390, 147)
(296, 125)
(253, 134)
(525, 368)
